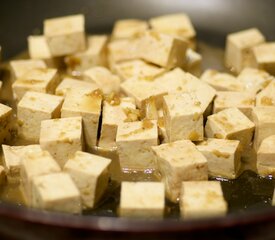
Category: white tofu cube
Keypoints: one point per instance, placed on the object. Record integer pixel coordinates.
(193, 62)
(90, 174)
(223, 157)
(179, 161)
(62, 137)
(202, 199)
(65, 35)
(231, 124)
(56, 192)
(183, 117)
(142, 199)
(238, 50)
(6, 123)
(33, 108)
(267, 96)
(134, 141)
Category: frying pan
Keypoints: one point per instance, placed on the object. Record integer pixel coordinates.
(213, 20)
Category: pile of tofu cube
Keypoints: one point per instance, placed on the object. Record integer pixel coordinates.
(139, 92)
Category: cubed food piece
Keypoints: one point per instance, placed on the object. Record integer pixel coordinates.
(254, 80)
(37, 80)
(90, 174)
(6, 123)
(264, 119)
(193, 62)
(134, 141)
(35, 162)
(2, 175)
(179, 161)
(223, 157)
(62, 137)
(128, 28)
(12, 158)
(102, 77)
(116, 111)
(94, 55)
(222, 81)
(87, 104)
(56, 192)
(162, 50)
(65, 35)
(267, 96)
(244, 101)
(238, 50)
(202, 199)
(33, 108)
(142, 199)
(183, 117)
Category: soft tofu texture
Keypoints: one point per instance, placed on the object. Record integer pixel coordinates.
(179, 161)
(264, 119)
(101, 76)
(90, 174)
(223, 157)
(202, 199)
(114, 113)
(62, 137)
(134, 141)
(86, 104)
(142, 199)
(193, 62)
(65, 35)
(6, 123)
(56, 192)
(266, 97)
(244, 101)
(33, 108)
(238, 50)
(231, 124)
(183, 117)
(43, 80)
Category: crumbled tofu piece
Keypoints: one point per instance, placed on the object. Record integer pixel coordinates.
(231, 124)
(244, 101)
(33, 108)
(37, 80)
(266, 97)
(134, 141)
(264, 119)
(162, 50)
(193, 62)
(142, 199)
(90, 174)
(2, 175)
(238, 50)
(101, 76)
(222, 81)
(6, 123)
(87, 104)
(128, 28)
(183, 117)
(56, 192)
(12, 158)
(202, 199)
(62, 137)
(94, 55)
(179, 161)
(65, 35)
(115, 111)
(35, 162)
(254, 80)
(223, 157)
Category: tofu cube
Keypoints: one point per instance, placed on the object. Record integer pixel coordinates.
(142, 199)
(65, 35)
(33, 108)
(56, 192)
(183, 117)
(238, 50)
(202, 199)
(6, 123)
(266, 97)
(223, 157)
(86, 104)
(230, 124)
(62, 137)
(37, 80)
(193, 62)
(179, 161)
(134, 141)
(90, 174)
